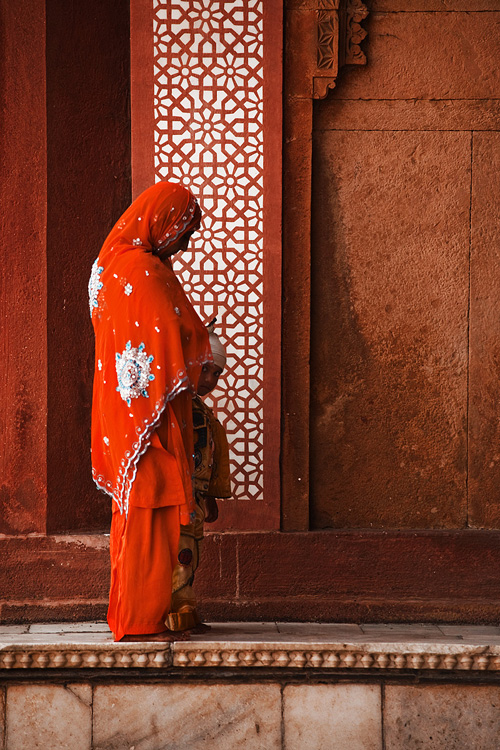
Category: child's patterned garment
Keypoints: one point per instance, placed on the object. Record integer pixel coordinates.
(211, 477)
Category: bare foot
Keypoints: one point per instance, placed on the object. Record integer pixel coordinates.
(167, 636)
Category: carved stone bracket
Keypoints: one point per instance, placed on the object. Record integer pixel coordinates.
(339, 36)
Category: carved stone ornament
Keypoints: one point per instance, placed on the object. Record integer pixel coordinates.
(235, 655)
(339, 36)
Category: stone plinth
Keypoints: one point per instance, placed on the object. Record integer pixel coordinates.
(253, 646)
(273, 685)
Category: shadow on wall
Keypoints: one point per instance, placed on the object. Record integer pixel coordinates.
(389, 332)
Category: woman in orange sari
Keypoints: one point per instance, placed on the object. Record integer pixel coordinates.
(150, 347)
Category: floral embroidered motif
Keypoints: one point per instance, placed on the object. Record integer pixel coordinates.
(137, 241)
(95, 285)
(133, 372)
(120, 489)
(106, 440)
(128, 288)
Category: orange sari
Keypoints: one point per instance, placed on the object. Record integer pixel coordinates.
(150, 346)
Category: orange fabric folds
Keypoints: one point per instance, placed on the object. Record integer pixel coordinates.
(143, 550)
(150, 346)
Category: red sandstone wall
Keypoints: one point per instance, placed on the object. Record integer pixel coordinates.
(23, 283)
(88, 187)
(405, 151)
(405, 285)
(65, 177)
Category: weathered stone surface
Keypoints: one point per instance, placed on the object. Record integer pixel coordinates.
(410, 6)
(445, 576)
(23, 332)
(54, 567)
(458, 49)
(297, 125)
(217, 575)
(80, 195)
(66, 627)
(212, 717)
(389, 329)
(338, 576)
(414, 114)
(442, 717)
(484, 379)
(332, 717)
(49, 716)
(2, 717)
(300, 59)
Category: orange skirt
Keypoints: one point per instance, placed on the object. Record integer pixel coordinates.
(143, 550)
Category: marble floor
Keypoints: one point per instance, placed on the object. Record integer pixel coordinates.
(267, 632)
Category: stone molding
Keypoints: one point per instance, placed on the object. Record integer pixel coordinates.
(356, 13)
(339, 35)
(446, 657)
(467, 658)
(113, 656)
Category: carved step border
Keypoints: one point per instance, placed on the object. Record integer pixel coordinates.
(447, 657)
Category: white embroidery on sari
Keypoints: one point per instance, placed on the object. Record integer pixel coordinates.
(95, 285)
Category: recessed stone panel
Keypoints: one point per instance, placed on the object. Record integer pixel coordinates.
(442, 717)
(332, 717)
(198, 717)
(389, 329)
(58, 717)
(426, 56)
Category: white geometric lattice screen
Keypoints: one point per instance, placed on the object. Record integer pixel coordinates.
(208, 116)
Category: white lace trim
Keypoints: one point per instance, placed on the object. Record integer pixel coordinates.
(179, 228)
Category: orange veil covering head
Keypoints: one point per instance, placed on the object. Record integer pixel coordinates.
(150, 342)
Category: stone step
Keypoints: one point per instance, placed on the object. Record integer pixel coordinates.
(273, 645)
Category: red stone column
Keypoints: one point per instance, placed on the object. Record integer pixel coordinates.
(65, 177)
(88, 187)
(300, 55)
(23, 334)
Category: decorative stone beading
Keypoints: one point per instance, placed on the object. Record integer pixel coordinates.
(111, 657)
(185, 656)
(225, 655)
